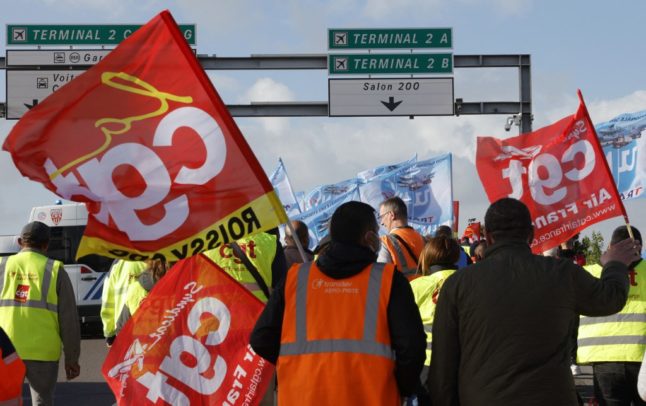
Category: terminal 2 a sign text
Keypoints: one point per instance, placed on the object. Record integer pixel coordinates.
(399, 38)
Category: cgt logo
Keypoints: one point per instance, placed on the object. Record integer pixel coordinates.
(155, 183)
(22, 293)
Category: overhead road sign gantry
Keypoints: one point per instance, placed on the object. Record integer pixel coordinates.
(390, 38)
(87, 34)
(391, 97)
(401, 63)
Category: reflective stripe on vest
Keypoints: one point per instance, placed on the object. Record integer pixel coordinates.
(36, 304)
(401, 258)
(619, 337)
(428, 329)
(615, 318)
(367, 345)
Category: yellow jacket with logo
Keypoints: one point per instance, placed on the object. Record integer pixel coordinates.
(29, 305)
(261, 251)
(426, 290)
(620, 337)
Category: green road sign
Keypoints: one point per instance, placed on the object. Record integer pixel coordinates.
(391, 38)
(364, 64)
(91, 34)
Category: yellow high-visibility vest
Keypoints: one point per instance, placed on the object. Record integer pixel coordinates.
(29, 305)
(426, 290)
(620, 337)
(113, 297)
(261, 251)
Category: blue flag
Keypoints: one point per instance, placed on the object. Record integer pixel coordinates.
(624, 145)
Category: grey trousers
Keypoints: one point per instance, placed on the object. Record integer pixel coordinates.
(41, 376)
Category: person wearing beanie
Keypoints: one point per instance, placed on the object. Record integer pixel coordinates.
(502, 325)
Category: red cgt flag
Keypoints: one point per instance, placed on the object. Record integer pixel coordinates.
(188, 343)
(144, 139)
(558, 171)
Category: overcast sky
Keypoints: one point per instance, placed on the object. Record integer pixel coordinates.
(595, 46)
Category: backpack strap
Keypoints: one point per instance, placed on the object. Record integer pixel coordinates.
(250, 267)
(395, 240)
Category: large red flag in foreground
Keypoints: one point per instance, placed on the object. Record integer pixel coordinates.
(188, 343)
(144, 139)
(558, 171)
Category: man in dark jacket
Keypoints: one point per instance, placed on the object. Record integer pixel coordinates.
(501, 328)
(353, 249)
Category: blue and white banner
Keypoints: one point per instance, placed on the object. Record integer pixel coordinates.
(425, 187)
(318, 218)
(624, 144)
(325, 193)
(283, 188)
(370, 174)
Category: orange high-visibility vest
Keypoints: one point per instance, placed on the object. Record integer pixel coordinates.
(12, 371)
(335, 343)
(399, 254)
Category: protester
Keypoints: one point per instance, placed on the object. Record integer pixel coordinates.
(570, 250)
(113, 298)
(343, 330)
(477, 250)
(436, 264)
(38, 312)
(501, 325)
(256, 261)
(464, 259)
(292, 254)
(12, 371)
(402, 245)
(139, 290)
(614, 345)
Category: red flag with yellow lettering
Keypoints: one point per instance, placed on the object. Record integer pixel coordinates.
(188, 343)
(146, 142)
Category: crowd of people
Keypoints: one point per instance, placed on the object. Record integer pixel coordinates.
(419, 319)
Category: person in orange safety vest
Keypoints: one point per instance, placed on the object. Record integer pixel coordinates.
(344, 330)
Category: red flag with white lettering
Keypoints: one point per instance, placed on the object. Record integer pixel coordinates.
(188, 343)
(558, 171)
(146, 142)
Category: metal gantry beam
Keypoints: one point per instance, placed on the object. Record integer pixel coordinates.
(522, 107)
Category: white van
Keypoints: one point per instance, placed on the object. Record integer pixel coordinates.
(8, 245)
(67, 222)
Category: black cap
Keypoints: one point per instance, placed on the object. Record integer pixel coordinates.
(35, 233)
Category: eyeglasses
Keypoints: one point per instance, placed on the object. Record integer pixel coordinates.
(379, 217)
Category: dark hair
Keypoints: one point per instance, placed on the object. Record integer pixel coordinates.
(397, 206)
(439, 251)
(444, 231)
(351, 221)
(621, 233)
(302, 232)
(35, 234)
(508, 219)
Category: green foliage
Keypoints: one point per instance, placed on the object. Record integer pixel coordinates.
(592, 247)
